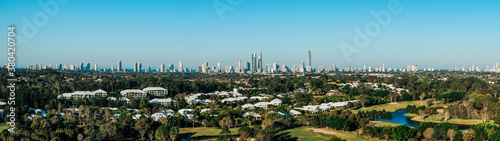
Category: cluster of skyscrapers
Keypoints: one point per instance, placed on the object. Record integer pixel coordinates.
(255, 65)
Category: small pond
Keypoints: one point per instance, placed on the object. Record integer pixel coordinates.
(400, 118)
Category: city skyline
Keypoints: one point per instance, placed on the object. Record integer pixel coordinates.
(170, 31)
(255, 65)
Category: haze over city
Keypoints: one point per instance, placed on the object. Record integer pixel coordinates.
(440, 34)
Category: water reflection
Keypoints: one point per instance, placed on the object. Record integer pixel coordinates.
(400, 118)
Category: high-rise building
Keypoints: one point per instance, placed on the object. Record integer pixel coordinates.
(247, 66)
(238, 66)
(119, 66)
(95, 67)
(162, 68)
(112, 67)
(218, 68)
(309, 58)
(181, 66)
(254, 61)
(204, 67)
(472, 68)
(171, 68)
(135, 67)
(497, 66)
(139, 68)
(259, 62)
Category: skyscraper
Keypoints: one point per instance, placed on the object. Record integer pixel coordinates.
(497, 66)
(181, 67)
(254, 61)
(247, 66)
(238, 66)
(309, 58)
(139, 68)
(135, 67)
(95, 67)
(171, 68)
(260, 62)
(162, 68)
(119, 66)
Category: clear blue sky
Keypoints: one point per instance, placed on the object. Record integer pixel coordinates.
(429, 33)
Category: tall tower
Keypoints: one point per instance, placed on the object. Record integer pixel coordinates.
(309, 58)
(181, 67)
(238, 66)
(254, 61)
(497, 66)
(95, 67)
(162, 68)
(135, 67)
(119, 66)
(139, 67)
(260, 62)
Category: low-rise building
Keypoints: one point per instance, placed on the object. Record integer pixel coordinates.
(133, 93)
(100, 93)
(156, 91)
(76, 95)
(162, 102)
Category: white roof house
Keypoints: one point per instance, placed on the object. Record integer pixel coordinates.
(294, 112)
(205, 110)
(168, 111)
(76, 94)
(156, 91)
(264, 105)
(100, 93)
(254, 114)
(133, 93)
(279, 113)
(185, 111)
(159, 116)
(248, 106)
(236, 99)
(138, 116)
(276, 102)
(121, 99)
(162, 102)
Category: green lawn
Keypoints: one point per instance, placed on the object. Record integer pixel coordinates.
(391, 107)
(201, 133)
(432, 118)
(307, 134)
(383, 123)
(3, 126)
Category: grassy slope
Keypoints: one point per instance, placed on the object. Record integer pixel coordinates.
(391, 107)
(201, 133)
(306, 134)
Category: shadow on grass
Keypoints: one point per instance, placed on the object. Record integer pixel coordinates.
(285, 136)
(189, 136)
